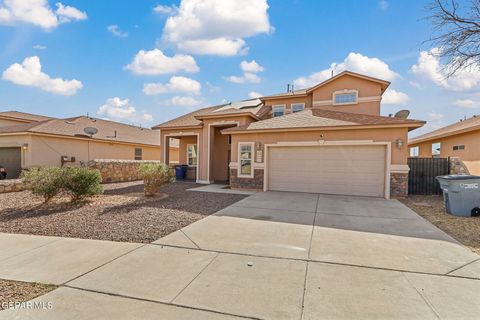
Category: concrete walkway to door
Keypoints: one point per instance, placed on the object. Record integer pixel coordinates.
(281, 255)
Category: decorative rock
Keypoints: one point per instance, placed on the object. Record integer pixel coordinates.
(117, 170)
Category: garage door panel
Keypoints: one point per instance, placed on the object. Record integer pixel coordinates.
(10, 159)
(355, 170)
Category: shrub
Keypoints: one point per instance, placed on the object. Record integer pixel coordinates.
(81, 182)
(45, 182)
(154, 176)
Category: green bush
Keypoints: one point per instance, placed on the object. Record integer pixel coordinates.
(154, 176)
(81, 182)
(45, 182)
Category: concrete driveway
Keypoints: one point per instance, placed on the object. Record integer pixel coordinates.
(278, 255)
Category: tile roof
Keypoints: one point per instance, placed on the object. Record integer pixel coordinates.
(312, 118)
(187, 120)
(23, 116)
(469, 124)
(73, 127)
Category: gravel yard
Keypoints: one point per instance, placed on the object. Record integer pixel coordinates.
(121, 214)
(16, 291)
(464, 229)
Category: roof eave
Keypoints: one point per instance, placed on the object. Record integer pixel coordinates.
(283, 96)
(445, 135)
(226, 115)
(354, 74)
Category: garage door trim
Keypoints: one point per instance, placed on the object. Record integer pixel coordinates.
(326, 144)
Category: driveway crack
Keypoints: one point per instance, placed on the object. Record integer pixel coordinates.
(462, 266)
(429, 304)
(193, 242)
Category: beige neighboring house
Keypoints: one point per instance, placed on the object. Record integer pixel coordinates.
(460, 139)
(29, 140)
(329, 138)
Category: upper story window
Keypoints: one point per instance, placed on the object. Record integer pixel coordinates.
(278, 110)
(459, 147)
(436, 148)
(191, 154)
(297, 107)
(414, 151)
(345, 97)
(138, 153)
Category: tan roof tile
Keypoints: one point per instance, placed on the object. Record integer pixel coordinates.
(469, 124)
(24, 116)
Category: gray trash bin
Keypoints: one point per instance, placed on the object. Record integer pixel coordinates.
(461, 194)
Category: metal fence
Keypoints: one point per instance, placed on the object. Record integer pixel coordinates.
(421, 178)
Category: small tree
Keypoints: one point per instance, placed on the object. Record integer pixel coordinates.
(44, 182)
(154, 176)
(81, 182)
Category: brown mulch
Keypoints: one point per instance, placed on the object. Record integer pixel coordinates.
(16, 291)
(121, 214)
(465, 230)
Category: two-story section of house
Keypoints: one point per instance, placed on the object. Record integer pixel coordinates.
(329, 138)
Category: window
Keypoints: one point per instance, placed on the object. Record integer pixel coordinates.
(138, 153)
(459, 147)
(192, 154)
(278, 111)
(229, 141)
(414, 151)
(436, 147)
(297, 107)
(345, 97)
(245, 155)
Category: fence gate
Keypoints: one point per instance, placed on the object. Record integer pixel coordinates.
(421, 178)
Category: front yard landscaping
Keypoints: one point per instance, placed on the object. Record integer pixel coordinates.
(17, 291)
(122, 213)
(466, 230)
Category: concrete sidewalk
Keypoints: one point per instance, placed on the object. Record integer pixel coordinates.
(280, 256)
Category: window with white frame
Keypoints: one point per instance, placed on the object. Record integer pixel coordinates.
(414, 151)
(297, 107)
(459, 147)
(191, 154)
(245, 159)
(345, 97)
(278, 110)
(436, 148)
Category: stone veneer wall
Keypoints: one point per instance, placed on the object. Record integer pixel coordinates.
(398, 185)
(11, 185)
(117, 170)
(457, 166)
(255, 183)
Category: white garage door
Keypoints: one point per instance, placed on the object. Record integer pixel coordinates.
(349, 170)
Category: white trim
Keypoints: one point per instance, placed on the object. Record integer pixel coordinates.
(186, 151)
(283, 106)
(297, 103)
(319, 103)
(222, 123)
(322, 143)
(399, 168)
(345, 91)
(252, 159)
(183, 134)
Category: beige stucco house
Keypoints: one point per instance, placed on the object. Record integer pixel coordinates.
(329, 138)
(460, 139)
(28, 140)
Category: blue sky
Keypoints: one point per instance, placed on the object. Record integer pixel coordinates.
(145, 62)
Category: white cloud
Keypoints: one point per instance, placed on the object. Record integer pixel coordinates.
(430, 68)
(175, 85)
(355, 62)
(115, 30)
(216, 27)
(251, 66)
(254, 94)
(39, 47)
(383, 4)
(183, 101)
(118, 109)
(395, 97)
(466, 103)
(249, 73)
(68, 13)
(154, 62)
(162, 9)
(29, 73)
(38, 13)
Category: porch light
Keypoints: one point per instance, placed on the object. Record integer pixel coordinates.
(25, 146)
(399, 143)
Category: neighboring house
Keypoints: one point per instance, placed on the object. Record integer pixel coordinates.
(329, 138)
(461, 139)
(10, 118)
(58, 142)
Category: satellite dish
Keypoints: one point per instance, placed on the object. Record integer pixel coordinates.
(402, 114)
(90, 130)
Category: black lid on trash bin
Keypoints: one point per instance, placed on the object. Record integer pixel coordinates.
(458, 177)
